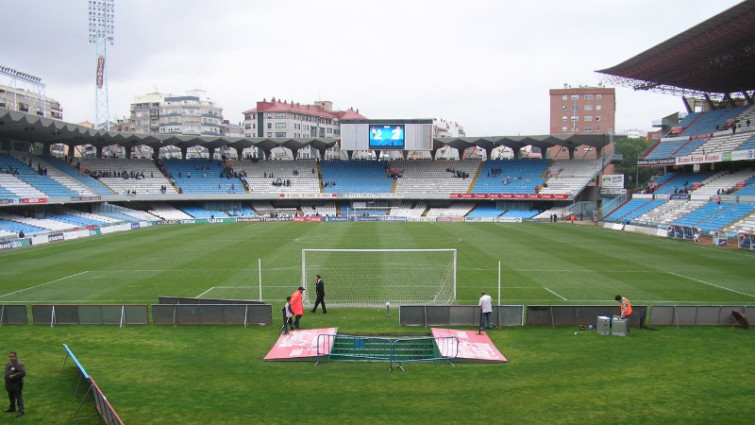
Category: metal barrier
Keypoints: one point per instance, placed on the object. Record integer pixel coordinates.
(13, 315)
(399, 351)
(89, 314)
(212, 314)
(404, 350)
(103, 408)
(458, 315)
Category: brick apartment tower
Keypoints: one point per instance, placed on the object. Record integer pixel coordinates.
(581, 110)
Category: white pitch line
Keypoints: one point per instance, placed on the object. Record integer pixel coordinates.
(555, 294)
(711, 284)
(43, 284)
(200, 295)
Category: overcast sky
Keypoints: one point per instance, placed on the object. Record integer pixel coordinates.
(486, 64)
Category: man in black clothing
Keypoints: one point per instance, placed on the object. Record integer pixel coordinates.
(320, 291)
(14, 383)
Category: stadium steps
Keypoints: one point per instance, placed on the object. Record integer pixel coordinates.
(371, 349)
(476, 176)
(319, 179)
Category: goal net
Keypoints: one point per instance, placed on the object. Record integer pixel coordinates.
(372, 277)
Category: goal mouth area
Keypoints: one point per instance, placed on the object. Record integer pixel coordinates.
(380, 278)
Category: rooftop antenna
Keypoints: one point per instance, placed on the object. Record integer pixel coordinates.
(101, 15)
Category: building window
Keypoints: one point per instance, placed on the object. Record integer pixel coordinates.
(564, 118)
(563, 129)
(269, 134)
(598, 96)
(588, 97)
(575, 118)
(598, 107)
(563, 108)
(280, 125)
(280, 115)
(575, 97)
(564, 97)
(280, 134)
(588, 117)
(597, 118)
(269, 115)
(597, 128)
(588, 129)
(588, 107)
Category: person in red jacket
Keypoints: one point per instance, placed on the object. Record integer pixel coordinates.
(626, 306)
(297, 305)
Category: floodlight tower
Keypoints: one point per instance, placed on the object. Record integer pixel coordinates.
(101, 32)
(19, 82)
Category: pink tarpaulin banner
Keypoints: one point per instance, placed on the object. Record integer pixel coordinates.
(471, 345)
(300, 344)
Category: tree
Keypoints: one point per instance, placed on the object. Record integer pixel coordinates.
(631, 149)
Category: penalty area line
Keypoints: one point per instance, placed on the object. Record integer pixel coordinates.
(43, 284)
(200, 295)
(562, 298)
(711, 284)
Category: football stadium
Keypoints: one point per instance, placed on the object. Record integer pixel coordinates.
(143, 277)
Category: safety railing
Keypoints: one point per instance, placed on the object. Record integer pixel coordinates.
(398, 351)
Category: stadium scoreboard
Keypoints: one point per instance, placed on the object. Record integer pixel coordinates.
(413, 135)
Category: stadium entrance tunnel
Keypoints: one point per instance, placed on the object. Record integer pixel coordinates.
(443, 345)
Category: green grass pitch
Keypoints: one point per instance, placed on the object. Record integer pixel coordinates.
(215, 374)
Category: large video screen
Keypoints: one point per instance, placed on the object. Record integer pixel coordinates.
(393, 134)
(387, 137)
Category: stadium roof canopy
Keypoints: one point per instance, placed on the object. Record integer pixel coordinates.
(715, 57)
(29, 128)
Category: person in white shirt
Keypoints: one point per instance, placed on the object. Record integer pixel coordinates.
(486, 307)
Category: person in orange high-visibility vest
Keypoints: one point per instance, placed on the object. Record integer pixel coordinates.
(297, 305)
(626, 306)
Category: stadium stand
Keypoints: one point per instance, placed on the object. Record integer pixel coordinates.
(709, 122)
(570, 176)
(85, 179)
(41, 223)
(36, 180)
(195, 176)
(669, 212)
(633, 209)
(680, 182)
(485, 210)
(517, 176)
(167, 212)
(409, 209)
(723, 182)
(442, 177)
(714, 215)
(355, 177)
(523, 214)
(748, 189)
(456, 209)
(298, 176)
(125, 176)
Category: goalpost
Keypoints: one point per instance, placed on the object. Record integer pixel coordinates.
(372, 277)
